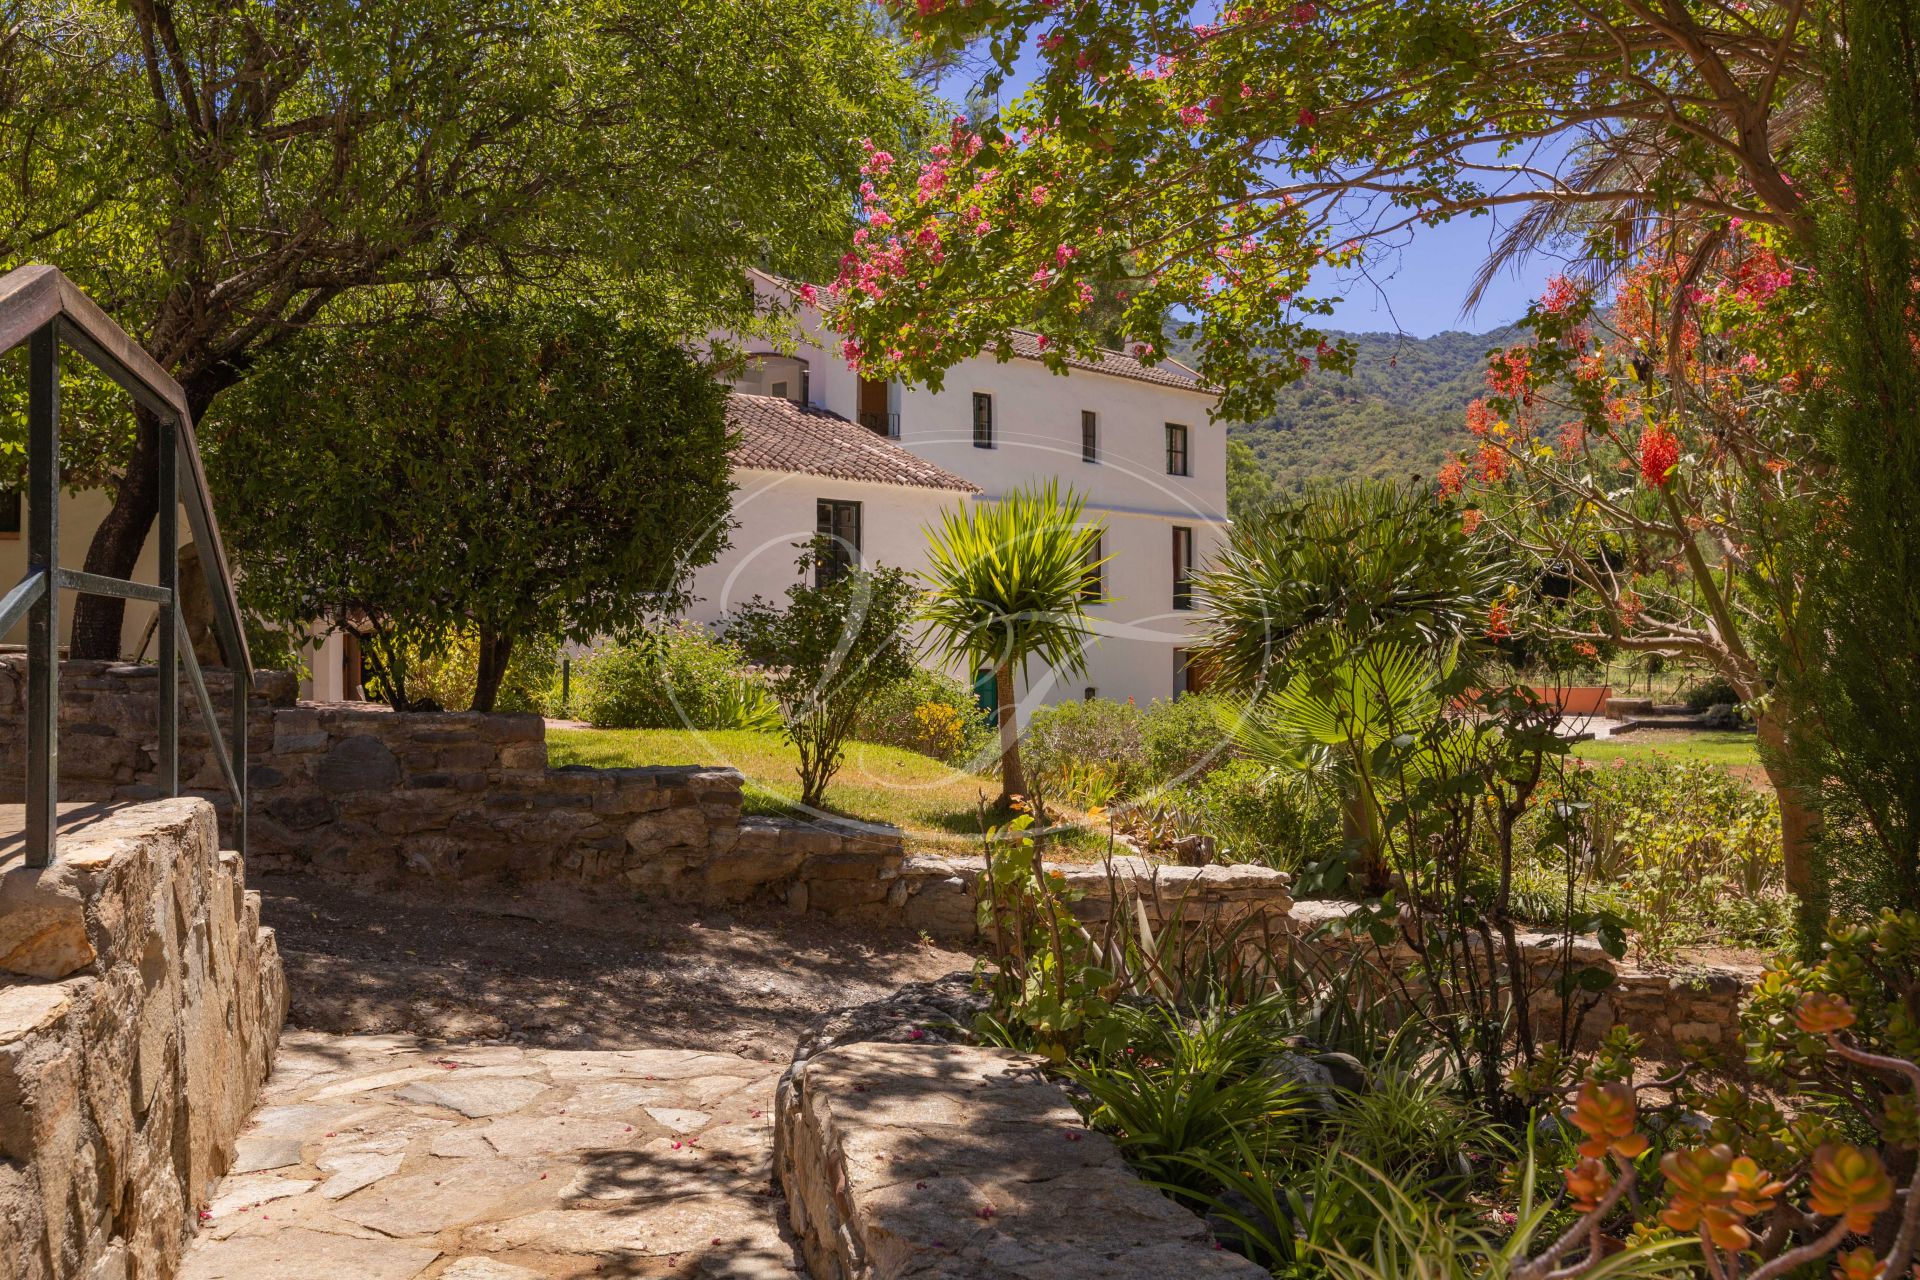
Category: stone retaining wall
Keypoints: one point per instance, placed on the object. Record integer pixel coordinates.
(355, 791)
(140, 1005)
(1699, 1004)
(952, 1162)
(938, 895)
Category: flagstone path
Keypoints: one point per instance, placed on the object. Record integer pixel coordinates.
(377, 1158)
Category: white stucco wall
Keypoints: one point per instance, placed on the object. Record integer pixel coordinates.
(80, 515)
(775, 513)
(1037, 436)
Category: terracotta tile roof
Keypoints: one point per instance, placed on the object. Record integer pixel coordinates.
(1168, 373)
(778, 435)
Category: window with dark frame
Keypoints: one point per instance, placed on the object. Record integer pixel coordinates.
(1089, 436)
(839, 524)
(1182, 567)
(982, 420)
(1093, 583)
(9, 513)
(1182, 673)
(1177, 450)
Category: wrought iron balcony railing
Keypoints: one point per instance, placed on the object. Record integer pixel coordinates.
(42, 308)
(881, 424)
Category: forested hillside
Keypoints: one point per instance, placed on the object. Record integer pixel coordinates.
(1398, 415)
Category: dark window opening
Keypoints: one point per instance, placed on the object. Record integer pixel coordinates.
(1093, 583)
(1177, 450)
(839, 527)
(1182, 567)
(874, 394)
(1089, 436)
(9, 513)
(982, 420)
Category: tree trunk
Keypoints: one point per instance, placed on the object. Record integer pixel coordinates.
(117, 542)
(495, 649)
(1799, 831)
(1013, 779)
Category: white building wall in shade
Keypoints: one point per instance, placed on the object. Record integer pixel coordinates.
(81, 514)
(776, 513)
(1037, 419)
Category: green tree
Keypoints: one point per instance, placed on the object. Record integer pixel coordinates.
(1249, 487)
(1309, 582)
(1006, 584)
(1233, 160)
(221, 176)
(1863, 663)
(841, 640)
(1372, 559)
(522, 474)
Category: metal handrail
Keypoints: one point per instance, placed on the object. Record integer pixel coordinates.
(41, 307)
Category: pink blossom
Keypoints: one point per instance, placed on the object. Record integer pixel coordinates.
(1193, 117)
(809, 295)
(1086, 294)
(1308, 117)
(1039, 196)
(1065, 254)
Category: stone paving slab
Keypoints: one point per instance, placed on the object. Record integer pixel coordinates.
(377, 1158)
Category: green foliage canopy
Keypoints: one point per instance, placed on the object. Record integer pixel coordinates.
(1007, 584)
(520, 473)
(1228, 162)
(220, 176)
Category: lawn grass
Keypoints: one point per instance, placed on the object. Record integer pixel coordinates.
(1733, 748)
(935, 803)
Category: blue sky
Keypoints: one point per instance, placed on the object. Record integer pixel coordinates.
(1417, 290)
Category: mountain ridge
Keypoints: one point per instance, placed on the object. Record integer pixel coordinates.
(1400, 413)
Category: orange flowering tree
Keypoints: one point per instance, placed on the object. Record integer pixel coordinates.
(1652, 465)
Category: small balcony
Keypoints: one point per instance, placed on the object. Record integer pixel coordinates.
(881, 423)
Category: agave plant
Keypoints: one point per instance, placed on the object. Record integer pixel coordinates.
(1007, 584)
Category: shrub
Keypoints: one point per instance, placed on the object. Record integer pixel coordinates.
(837, 642)
(1079, 738)
(1687, 851)
(680, 677)
(447, 679)
(1711, 690)
(1183, 737)
(929, 712)
(1280, 819)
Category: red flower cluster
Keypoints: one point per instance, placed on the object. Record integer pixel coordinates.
(1499, 627)
(1491, 462)
(1561, 294)
(1659, 454)
(1479, 417)
(1509, 371)
(1452, 478)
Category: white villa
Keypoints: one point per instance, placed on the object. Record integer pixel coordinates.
(873, 463)
(1135, 441)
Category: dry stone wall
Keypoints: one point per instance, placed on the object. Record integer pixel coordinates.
(140, 1005)
(1667, 1009)
(355, 791)
(953, 1162)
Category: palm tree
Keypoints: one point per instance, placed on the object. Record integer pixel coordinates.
(1008, 582)
(1373, 559)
